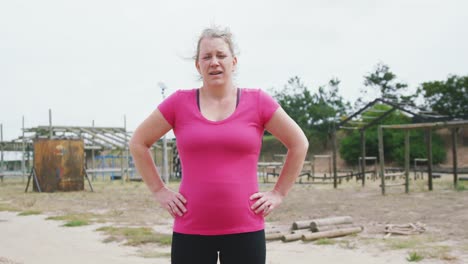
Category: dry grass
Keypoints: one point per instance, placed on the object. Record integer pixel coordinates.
(135, 236)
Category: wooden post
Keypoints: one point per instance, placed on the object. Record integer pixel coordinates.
(312, 166)
(127, 153)
(335, 174)
(122, 165)
(363, 156)
(407, 159)
(1, 142)
(23, 149)
(331, 233)
(165, 171)
(51, 133)
(381, 158)
(93, 163)
(454, 157)
(429, 156)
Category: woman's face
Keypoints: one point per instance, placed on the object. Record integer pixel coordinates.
(215, 63)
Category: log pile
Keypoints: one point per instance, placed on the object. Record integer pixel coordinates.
(313, 229)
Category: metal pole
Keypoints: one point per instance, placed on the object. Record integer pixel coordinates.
(50, 124)
(165, 164)
(23, 149)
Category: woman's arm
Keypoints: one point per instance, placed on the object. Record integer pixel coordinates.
(290, 134)
(151, 130)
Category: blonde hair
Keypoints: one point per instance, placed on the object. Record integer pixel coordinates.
(216, 32)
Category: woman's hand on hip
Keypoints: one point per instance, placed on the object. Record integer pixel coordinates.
(266, 202)
(173, 202)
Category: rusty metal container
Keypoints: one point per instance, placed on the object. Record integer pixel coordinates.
(59, 164)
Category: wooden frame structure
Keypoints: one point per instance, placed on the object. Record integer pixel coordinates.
(454, 126)
(356, 122)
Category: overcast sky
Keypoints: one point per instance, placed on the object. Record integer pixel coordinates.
(102, 59)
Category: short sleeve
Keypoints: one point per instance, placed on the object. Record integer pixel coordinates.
(267, 106)
(168, 106)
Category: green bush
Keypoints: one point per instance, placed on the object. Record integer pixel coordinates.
(418, 148)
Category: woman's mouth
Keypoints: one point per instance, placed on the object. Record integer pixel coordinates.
(215, 72)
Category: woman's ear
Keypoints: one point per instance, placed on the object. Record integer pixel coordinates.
(234, 63)
(197, 66)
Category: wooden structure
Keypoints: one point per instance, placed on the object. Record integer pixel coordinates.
(361, 123)
(454, 126)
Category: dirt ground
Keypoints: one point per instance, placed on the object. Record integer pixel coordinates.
(444, 211)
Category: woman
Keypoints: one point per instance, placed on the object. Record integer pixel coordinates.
(219, 130)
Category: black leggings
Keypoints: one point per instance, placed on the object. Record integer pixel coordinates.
(243, 248)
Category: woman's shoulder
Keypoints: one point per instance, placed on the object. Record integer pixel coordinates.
(251, 90)
(185, 92)
(182, 93)
(255, 92)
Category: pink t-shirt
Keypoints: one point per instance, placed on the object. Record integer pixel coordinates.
(219, 162)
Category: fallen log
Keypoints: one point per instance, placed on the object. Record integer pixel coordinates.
(274, 236)
(332, 227)
(331, 233)
(330, 221)
(294, 235)
(303, 224)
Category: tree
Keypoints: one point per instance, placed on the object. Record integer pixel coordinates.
(448, 97)
(382, 83)
(314, 113)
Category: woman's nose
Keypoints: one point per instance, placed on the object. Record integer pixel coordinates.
(214, 61)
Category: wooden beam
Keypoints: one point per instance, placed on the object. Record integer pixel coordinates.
(407, 159)
(363, 155)
(448, 124)
(375, 121)
(381, 158)
(356, 114)
(335, 173)
(331, 233)
(350, 128)
(454, 157)
(429, 156)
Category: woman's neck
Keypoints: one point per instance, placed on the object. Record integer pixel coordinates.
(218, 92)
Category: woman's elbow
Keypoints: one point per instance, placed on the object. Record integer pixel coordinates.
(134, 144)
(304, 146)
(300, 146)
